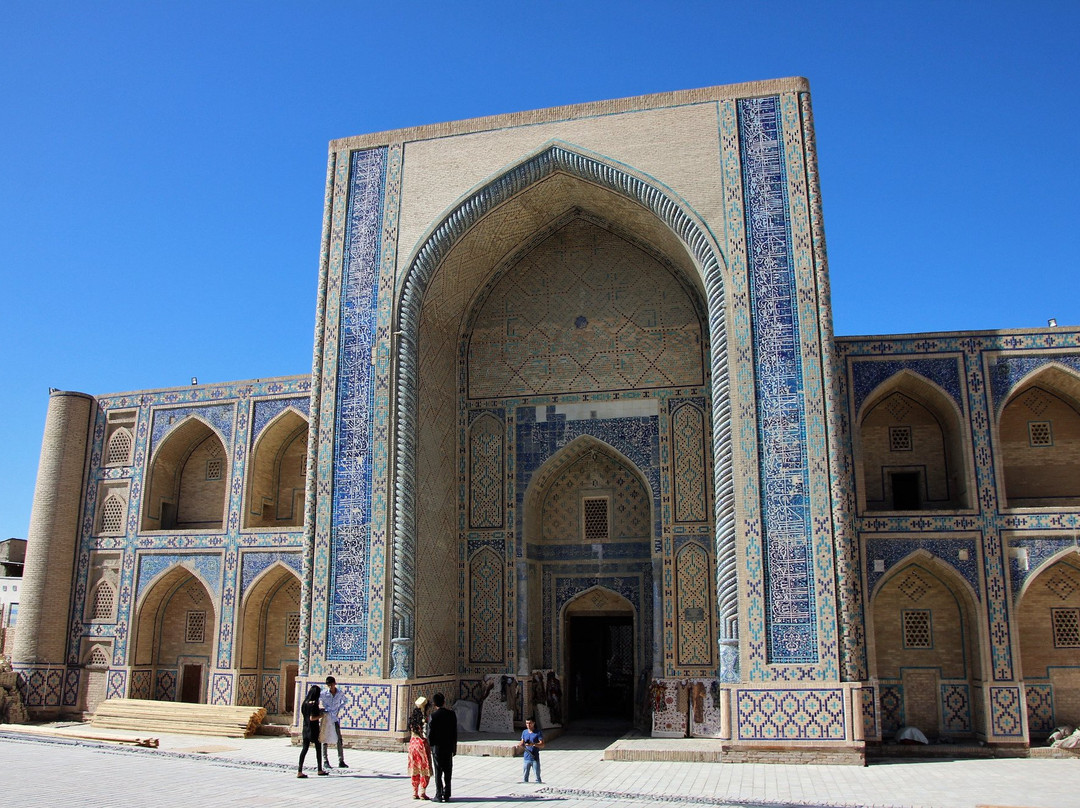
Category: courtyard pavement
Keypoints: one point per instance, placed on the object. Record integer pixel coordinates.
(50, 765)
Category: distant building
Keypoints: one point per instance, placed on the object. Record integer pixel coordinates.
(12, 554)
(577, 408)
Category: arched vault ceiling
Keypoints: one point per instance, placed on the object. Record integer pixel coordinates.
(495, 237)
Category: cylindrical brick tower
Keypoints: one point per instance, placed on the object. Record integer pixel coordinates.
(45, 593)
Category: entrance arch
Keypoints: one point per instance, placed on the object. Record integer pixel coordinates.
(441, 284)
(598, 656)
(268, 641)
(176, 629)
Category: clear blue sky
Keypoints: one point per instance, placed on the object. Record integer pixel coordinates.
(163, 163)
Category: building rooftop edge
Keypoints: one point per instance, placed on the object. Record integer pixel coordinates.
(635, 103)
(989, 332)
(148, 391)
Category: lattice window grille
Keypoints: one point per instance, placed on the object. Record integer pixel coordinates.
(98, 658)
(900, 439)
(104, 599)
(303, 465)
(1066, 624)
(917, 629)
(1040, 434)
(214, 468)
(196, 627)
(112, 515)
(596, 519)
(292, 628)
(119, 451)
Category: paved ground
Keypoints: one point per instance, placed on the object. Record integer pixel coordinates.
(49, 766)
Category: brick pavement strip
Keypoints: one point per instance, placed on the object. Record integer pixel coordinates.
(55, 768)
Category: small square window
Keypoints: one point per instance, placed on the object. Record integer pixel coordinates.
(899, 438)
(917, 630)
(1039, 433)
(1066, 623)
(214, 468)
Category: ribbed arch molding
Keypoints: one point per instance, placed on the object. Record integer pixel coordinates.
(692, 233)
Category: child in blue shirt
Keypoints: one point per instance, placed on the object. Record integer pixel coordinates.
(532, 741)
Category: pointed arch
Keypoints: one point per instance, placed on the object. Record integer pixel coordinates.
(175, 635)
(267, 637)
(580, 448)
(277, 473)
(912, 452)
(925, 645)
(578, 175)
(188, 479)
(1038, 437)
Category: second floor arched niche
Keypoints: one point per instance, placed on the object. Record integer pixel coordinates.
(910, 453)
(1039, 441)
(276, 476)
(188, 480)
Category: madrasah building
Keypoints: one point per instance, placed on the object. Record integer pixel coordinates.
(576, 407)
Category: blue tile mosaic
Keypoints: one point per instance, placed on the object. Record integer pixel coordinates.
(220, 417)
(1007, 371)
(785, 484)
(351, 531)
(266, 410)
(868, 374)
(253, 564)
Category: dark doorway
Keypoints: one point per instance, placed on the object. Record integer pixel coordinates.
(905, 487)
(601, 667)
(291, 672)
(191, 683)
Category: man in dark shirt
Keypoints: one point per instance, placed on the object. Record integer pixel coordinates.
(442, 738)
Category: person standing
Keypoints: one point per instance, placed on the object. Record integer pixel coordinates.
(532, 741)
(332, 702)
(442, 737)
(310, 714)
(419, 766)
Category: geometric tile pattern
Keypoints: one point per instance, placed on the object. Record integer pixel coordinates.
(630, 503)
(220, 418)
(221, 688)
(266, 410)
(694, 620)
(867, 376)
(140, 684)
(486, 437)
(253, 564)
(208, 567)
(354, 416)
(955, 708)
(486, 608)
(688, 464)
(1005, 717)
(791, 620)
(116, 682)
(247, 689)
(790, 715)
(891, 697)
(270, 687)
(1040, 707)
(165, 686)
(367, 707)
(71, 688)
(560, 321)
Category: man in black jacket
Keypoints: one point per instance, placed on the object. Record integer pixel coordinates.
(442, 738)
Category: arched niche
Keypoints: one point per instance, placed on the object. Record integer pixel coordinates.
(268, 638)
(446, 282)
(1048, 618)
(188, 480)
(176, 636)
(910, 449)
(926, 649)
(588, 504)
(1039, 441)
(277, 473)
